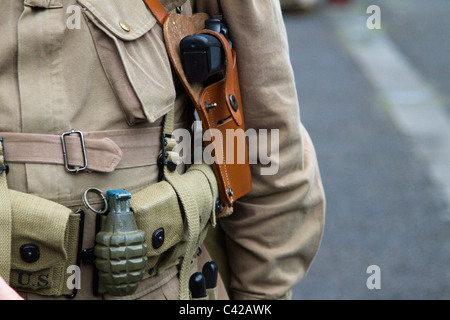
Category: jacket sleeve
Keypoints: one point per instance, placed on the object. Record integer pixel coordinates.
(275, 231)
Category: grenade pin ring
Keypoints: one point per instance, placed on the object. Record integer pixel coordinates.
(88, 205)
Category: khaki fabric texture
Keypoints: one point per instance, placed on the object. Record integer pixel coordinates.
(55, 78)
(196, 199)
(5, 222)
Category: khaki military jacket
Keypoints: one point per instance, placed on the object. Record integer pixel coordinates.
(106, 73)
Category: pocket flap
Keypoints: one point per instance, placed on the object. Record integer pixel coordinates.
(131, 48)
(127, 20)
(156, 210)
(44, 229)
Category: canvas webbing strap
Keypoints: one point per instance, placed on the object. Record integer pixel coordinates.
(185, 193)
(191, 210)
(106, 151)
(5, 220)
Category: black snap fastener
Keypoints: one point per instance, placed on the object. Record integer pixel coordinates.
(29, 253)
(172, 166)
(158, 238)
(219, 207)
(233, 102)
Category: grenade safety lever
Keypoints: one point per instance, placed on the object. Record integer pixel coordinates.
(120, 247)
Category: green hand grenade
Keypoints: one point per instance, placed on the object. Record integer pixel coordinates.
(120, 249)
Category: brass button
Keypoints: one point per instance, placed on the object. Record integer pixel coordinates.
(124, 26)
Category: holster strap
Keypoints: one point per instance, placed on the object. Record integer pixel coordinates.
(106, 151)
(157, 9)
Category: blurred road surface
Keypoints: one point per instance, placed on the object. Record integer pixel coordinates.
(375, 103)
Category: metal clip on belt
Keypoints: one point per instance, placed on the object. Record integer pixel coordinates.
(5, 166)
(163, 157)
(83, 148)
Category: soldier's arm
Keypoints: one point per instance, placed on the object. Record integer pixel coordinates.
(275, 231)
(7, 293)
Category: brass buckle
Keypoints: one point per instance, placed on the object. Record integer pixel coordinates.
(83, 148)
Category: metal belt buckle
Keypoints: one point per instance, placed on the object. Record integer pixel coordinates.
(83, 148)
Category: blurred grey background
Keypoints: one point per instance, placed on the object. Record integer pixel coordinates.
(376, 104)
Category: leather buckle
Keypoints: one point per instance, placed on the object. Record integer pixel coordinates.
(83, 148)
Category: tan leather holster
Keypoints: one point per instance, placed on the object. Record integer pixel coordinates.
(233, 175)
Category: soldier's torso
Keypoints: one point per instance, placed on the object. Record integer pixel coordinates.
(98, 67)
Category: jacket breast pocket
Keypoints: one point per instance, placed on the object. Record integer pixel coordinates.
(131, 48)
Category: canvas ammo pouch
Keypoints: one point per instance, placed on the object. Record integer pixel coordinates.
(181, 208)
(44, 244)
(45, 236)
(39, 240)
